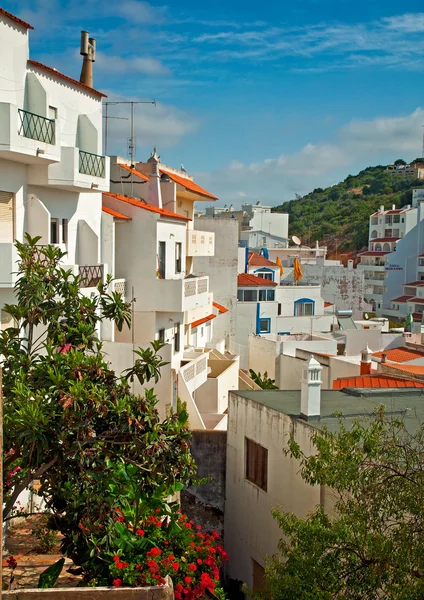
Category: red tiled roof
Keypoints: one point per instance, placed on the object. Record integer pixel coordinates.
(386, 239)
(375, 381)
(414, 284)
(401, 299)
(327, 304)
(51, 71)
(373, 253)
(189, 185)
(256, 260)
(134, 172)
(412, 369)
(247, 280)
(115, 214)
(201, 321)
(9, 15)
(155, 209)
(397, 211)
(221, 309)
(417, 316)
(417, 300)
(400, 355)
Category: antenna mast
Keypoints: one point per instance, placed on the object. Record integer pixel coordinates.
(422, 153)
(131, 145)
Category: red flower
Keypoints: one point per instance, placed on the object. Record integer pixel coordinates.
(192, 567)
(117, 582)
(188, 579)
(154, 552)
(116, 558)
(198, 527)
(140, 532)
(187, 525)
(199, 561)
(178, 587)
(121, 519)
(11, 562)
(175, 566)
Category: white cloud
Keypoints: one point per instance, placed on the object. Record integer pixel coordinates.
(136, 11)
(119, 64)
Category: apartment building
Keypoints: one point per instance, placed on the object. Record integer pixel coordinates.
(52, 171)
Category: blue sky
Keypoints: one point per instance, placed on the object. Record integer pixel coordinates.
(258, 101)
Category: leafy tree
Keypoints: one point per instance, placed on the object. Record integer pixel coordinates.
(371, 545)
(399, 161)
(265, 382)
(72, 423)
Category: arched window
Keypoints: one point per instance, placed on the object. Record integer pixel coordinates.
(374, 233)
(304, 307)
(377, 248)
(386, 247)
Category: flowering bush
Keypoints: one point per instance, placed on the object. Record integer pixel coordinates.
(168, 545)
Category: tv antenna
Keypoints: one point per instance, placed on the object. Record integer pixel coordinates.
(131, 145)
(422, 153)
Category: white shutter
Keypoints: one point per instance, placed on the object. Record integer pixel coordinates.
(6, 217)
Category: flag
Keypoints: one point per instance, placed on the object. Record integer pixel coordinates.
(297, 273)
(280, 264)
(408, 322)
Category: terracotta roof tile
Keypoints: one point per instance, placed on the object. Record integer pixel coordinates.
(155, 209)
(201, 321)
(417, 300)
(248, 280)
(9, 15)
(115, 214)
(256, 260)
(134, 172)
(385, 239)
(51, 71)
(373, 253)
(400, 355)
(189, 185)
(327, 304)
(414, 284)
(412, 369)
(401, 299)
(221, 309)
(375, 381)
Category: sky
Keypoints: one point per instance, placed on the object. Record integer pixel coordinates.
(257, 101)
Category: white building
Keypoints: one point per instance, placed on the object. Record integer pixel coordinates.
(52, 171)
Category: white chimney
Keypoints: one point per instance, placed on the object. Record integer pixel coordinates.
(154, 194)
(310, 390)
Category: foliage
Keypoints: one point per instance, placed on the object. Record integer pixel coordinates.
(162, 545)
(371, 545)
(264, 382)
(49, 577)
(71, 422)
(343, 210)
(47, 538)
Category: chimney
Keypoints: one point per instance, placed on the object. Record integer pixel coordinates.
(365, 361)
(154, 193)
(383, 357)
(393, 206)
(88, 51)
(310, 390)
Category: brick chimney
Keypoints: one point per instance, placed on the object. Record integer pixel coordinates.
(366, 361)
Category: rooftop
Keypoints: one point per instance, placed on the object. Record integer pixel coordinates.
(256, 260)
(402, 299)
(9, 15)
(115, 214)
(400, 355)
(349, 404)
(55, 73)
(385, 239)
(202, 321)
(375, 381)
(134, 171)
(188, 184)
(248, 280)
(149, 207)
(221, 309)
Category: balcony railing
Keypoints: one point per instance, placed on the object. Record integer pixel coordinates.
(194, 286)
(90, 276)
(36, 127)
(91, 164)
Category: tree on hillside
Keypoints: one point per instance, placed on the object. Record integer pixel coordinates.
(399, 161)
(371, 545)
(72, 423)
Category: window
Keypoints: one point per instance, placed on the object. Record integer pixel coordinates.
(304, 308)
(256, 464)
(54, 231)
(262, 295)
(240, 295)
(264, 325)
(270, 295)
(267, 276)
(161, 260)
(178, 253)
(177, 338)
(250, 295)
(64, 231)
(161, 333)
(279, 309)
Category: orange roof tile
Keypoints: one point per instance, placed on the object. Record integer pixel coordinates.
(140, 204)
(9, 15)
(201, 321)
(400, 355)
(385, 239)
(221, 309)
(375, 381)
(402, 299)
(327, 304)
(115, 214)
(416, 300)
(256, 260)
(189, 185)
(414, 284)
(247, 279)
(373, 253)
(134, 172)
(51, 71)
(412, 369)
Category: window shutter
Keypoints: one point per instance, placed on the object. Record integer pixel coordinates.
(6, 217)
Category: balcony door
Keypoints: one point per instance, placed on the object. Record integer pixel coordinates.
(6, 218)
(162, 260)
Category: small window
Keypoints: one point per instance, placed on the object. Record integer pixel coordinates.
(250, 295)
(161, 260)
(264, 325)
(54, 231)
(161, 333)
(64, 231)
(256, 464)
(279, 309)
(270, 295)
(267, 276)
(262, 295)
(240, 295)
(178, 253)
(177, 338)
(304, 309)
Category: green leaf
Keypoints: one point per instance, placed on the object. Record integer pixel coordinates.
(49, 577)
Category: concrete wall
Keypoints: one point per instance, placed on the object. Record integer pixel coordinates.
(205, 503)
(222, 271)
(250, 531)
(212, 396)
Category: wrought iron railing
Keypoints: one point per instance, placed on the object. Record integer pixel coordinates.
(91, 164)
(90, 276)
(36, 127)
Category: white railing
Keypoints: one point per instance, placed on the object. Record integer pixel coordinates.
(120, 286)
(195, 371)
(198, 285)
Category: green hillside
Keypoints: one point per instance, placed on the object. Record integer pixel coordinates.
(339, 215)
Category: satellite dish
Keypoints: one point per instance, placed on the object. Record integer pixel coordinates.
(296, 240)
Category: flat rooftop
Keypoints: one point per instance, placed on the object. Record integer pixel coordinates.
(349, 404)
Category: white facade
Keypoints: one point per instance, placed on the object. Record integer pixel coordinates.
(51, 168)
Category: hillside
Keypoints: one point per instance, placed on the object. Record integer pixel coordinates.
(339, 215)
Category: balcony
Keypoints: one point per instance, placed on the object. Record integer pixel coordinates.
(176, 295)
(90, 276)
(200, 243)
(120, 286)
(27, 137)
(194, 370)
(77, 171)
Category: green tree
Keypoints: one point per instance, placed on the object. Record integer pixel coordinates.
(72, 423)
(265, 382)
(371, 545)
(399, 161)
